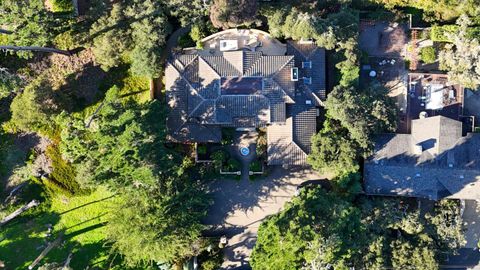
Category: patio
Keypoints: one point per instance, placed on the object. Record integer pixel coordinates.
(432, 94)
(238, 39)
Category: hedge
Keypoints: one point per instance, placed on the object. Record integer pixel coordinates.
(439, 33)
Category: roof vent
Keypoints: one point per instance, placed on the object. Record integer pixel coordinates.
(461, 176)
(418, 175)
(307, 64)
(308, 102)
(417, 149)
(450, 165)
(307, 80)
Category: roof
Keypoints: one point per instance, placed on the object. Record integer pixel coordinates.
(247, 89)
(446, 166)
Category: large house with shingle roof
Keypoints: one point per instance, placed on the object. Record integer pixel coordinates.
(248, 89)
(434, 162)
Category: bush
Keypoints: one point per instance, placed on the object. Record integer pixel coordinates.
(65, 41)
(428, 55)
(201, 149)
(62, 5)
(219, 157)
(63, 175)
(256, 166)
(440, 33)
(185, 41)
(233, 165)
(228, 135)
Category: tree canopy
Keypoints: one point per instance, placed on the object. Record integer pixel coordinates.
(132, 31)
(321, 228)
(462, 58)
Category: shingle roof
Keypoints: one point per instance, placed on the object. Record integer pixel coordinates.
(447, 166)
(309, 52)
(245, 89)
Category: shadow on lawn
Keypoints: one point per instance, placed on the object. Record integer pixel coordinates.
(89, 203)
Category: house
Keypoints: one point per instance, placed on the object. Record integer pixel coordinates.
(248, 89)
(435, 161)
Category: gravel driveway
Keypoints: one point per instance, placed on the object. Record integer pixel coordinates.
(240, 207)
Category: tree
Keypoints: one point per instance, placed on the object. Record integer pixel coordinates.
(320, 229)
(406, 255)
(158, 225)
(333, 150)
(363, 113)
(158, 217)
(462, 58)
(187, 11)
(133, 30)
(32, 109)
(232, 13)
(29, 24)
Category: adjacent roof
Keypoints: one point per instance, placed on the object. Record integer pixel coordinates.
(433, 162)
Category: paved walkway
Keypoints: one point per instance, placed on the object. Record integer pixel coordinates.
(240, 207)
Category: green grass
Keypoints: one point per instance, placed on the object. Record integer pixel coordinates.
(82, 218)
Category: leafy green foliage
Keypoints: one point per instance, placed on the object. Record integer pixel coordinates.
(30, 23)
(333, 150)
(462, 58)
(428, 55)
(124, 147)
(442, 10)
(319, 228)
(9, 82)
(363, 113)
(134, 29)
(158, 225)
(232, 13)
(63, 174)
(30, 109)
(62, 5)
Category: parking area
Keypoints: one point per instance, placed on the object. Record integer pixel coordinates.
(240, 207)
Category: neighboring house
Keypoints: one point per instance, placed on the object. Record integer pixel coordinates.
(247, 89)
(435, 161)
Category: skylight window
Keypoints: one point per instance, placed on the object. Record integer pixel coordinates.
(294, 74)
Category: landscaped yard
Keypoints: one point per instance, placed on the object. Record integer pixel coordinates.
(81, 218)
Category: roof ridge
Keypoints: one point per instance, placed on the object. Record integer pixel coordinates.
(253, 64)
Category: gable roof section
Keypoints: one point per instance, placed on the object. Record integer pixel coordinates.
(448, 166)
(309, 52)
(281, 149)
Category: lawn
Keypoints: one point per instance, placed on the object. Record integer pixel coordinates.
(81, 218)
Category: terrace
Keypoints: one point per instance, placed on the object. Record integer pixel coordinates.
(431, 95)
(239, 39)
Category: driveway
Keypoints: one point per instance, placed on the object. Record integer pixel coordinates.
(240, 207)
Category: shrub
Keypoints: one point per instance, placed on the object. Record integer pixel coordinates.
(428, 55)
(219, 157)
(62, 5)
(201, 149)
(185, 41)
(228, 135)
(233, 165)
(65, 40)
(256, 166)
(63, 173)
(441, 33)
